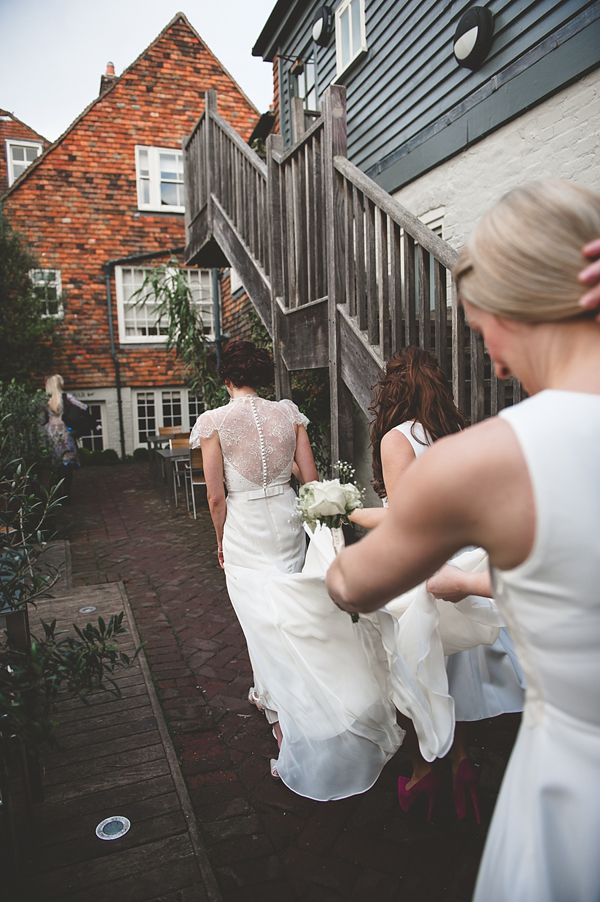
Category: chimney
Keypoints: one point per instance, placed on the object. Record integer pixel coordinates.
(108, 80)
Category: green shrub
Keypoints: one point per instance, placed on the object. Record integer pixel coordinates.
(109, 457)
(21, 426)
(140, 454)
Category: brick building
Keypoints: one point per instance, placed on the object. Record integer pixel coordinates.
(104, 203)
(19, 147)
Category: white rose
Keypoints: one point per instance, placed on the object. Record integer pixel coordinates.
(329, 499)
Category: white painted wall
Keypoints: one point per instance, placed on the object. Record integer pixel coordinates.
(560, 138)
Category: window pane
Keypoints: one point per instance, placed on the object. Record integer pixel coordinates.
(143, 163)
(145, 185)
(146, 414)
(31, 154)
(168, 194)
(345, 37)
(168, 168)
(93, 440)
(18, 153)
(355, 16)
(171, 408)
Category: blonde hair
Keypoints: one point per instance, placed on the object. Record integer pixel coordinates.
(54, 387)
(523, 258)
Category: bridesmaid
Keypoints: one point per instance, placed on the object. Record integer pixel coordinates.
(526, 487)
(413, 408)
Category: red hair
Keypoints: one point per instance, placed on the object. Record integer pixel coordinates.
(414, 387)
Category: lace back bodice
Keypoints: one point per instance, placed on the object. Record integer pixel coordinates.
(258, 440)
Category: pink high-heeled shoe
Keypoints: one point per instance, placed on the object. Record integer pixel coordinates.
(466, 777)
(430, 784)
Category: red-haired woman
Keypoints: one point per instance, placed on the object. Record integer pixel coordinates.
(413, 408)
(324, 694)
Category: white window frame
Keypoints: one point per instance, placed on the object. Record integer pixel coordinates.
(10, 163)
(355, 51)
(153, 179)
(92, 402)
(56, 283)
(206, 306)
(184, 394)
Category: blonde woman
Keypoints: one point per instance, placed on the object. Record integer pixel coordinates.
(525, 486)
(61, 440)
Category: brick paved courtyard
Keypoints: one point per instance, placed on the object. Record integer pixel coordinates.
(263, 842)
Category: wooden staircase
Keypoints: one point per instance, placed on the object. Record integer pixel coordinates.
(340, 273)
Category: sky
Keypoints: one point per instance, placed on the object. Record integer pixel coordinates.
(53, 52)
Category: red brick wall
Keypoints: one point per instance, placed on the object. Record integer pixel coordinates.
(78, 205)
(236, 323)
(14, 129)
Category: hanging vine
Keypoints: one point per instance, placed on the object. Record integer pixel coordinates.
(178, 318)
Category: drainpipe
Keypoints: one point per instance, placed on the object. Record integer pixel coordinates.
(108, 268)
(217, 313)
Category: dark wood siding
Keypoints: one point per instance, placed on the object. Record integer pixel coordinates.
(409, 87)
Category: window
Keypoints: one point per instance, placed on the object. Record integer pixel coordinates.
(305, 84)
(93, 441)
(195, 408)
(146, 415)
(171, 408)
(19, 155)
(164, 407)
(139, 324)
(350, 33)
(47, 286)
(159, 179)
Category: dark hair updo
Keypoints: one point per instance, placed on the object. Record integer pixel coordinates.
(243, 364)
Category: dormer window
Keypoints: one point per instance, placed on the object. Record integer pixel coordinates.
(20, 155)
(159, 173)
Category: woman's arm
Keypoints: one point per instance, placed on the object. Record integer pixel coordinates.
(450, 583)
(396, 455)
(304, 457)
(212, 460)
(472, 488)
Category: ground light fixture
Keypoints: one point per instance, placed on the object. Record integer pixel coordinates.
(321, 30)
(89, 609)
(113, 827)
(473, 37)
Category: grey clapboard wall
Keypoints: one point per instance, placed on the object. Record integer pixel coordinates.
(410, 106)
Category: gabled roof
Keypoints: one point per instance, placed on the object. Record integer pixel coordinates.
(6, 114)
(276, 27)
(101, 97)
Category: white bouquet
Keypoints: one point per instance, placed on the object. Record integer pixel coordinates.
(328, 502)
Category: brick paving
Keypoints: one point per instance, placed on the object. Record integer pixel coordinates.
(263, 842)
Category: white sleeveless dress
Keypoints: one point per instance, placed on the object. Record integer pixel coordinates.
(544, 840)
(485, 681)
(324, 678)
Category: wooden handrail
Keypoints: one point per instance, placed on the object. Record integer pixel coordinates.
(399, 214)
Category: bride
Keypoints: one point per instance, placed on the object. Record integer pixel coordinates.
(320, 679)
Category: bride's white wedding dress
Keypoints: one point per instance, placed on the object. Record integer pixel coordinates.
(324, 678)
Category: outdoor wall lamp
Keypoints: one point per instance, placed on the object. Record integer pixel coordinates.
(321, 30)
(473, 37)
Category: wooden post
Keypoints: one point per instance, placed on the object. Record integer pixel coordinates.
(276, 228)
(210, 106)
(335, 143)
(298, 118)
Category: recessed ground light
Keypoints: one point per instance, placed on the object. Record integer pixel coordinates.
(89, 610)
(113, 827)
